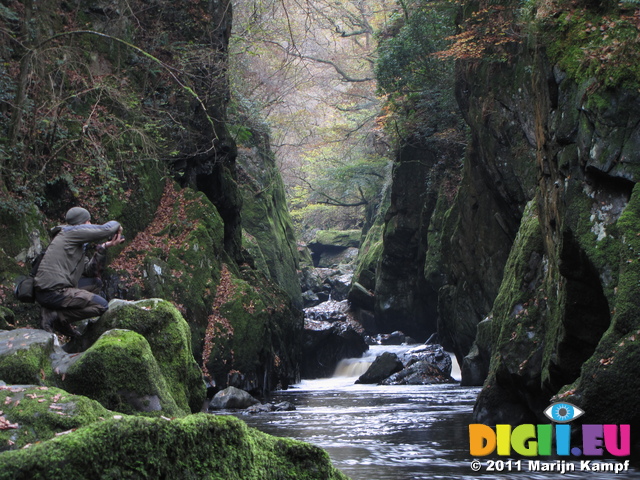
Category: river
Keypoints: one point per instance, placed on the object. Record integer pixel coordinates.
(376, 432)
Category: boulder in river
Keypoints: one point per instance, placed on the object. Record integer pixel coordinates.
(422, 372)
(232, 398)
(433, 354)
(382, 367)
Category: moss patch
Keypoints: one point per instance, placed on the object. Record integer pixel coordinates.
(120, 371)
(39, 413)
(608, 385)
(196, 447)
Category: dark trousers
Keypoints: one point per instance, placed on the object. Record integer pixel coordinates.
(75, 304)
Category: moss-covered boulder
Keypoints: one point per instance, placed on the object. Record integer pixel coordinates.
(330, 248)
(73, 437)
(33, 414)
(25, 356)
(136, 358)
(168, 337)
(120, 371)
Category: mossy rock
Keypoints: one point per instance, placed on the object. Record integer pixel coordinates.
(608, 385)
(25, 356)
(39, 413)
(196, 447)
(268, 231)
(169, 339)
(337, 238)
(254, 332)
(120, 371)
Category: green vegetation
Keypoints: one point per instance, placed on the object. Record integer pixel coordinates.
(37, 414)
(597, 41)
(169, 340)
(197, 446)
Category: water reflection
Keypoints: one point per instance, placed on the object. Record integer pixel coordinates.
(391, 432)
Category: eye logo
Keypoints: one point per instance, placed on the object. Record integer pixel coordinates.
(563, 412)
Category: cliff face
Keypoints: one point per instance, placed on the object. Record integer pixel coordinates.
(564, 298)
(122, 99)
(535, 261)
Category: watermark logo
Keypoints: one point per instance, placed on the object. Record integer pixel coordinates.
(563, 412)
(545, 440)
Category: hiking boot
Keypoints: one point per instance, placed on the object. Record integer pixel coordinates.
(63, 327)
(49, 317)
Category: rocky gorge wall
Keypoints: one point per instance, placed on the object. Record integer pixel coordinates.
(177, 192)
(533, 264)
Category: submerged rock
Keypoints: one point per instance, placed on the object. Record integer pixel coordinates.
(270, 407)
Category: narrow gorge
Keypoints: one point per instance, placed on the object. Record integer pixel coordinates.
(478, 246)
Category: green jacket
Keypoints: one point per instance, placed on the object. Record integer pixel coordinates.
(65, 261)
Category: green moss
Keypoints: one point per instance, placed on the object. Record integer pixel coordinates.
(169, 338)
(368, 257)
(595, 44)
(433, 264)
(28, 364)
(39, 413)
(340, 238)
(120, 371)
(196, 447)
(266, 222)
(254, 332)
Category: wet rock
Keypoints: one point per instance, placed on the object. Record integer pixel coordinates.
(330, 311)
(311, 279)
(232, 398)
(310, 299)
(382, 367)
(432, 354)
(360, 297)
(395, 338)
(326, 343)
(285, 407)
(260, 408)
(422, 372)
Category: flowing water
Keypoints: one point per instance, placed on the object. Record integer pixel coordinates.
(376, 432)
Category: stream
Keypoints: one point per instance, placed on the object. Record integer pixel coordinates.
(376, 432)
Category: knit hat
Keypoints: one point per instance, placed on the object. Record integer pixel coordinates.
(77, 216)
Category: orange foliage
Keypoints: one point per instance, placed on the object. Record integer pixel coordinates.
(484, 34)
(171, 211)
(218, 326)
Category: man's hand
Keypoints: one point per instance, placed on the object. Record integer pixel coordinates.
(117, 239)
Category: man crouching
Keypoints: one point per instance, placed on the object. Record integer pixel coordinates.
(68, 282)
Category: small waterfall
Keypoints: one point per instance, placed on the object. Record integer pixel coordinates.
(353, 367)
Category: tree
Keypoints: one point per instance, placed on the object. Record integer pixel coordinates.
(308, 68)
